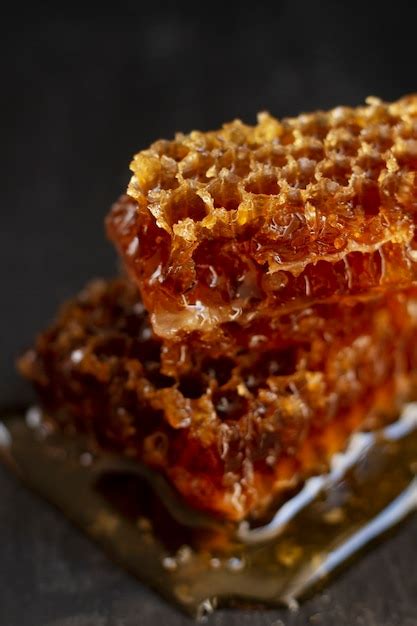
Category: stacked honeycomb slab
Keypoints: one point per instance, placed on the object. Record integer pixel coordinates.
(246, 223)
(235, 432)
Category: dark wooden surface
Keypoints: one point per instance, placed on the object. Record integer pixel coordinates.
(82, 92)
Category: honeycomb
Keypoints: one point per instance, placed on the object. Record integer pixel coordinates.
(247, 223)
(235, 433)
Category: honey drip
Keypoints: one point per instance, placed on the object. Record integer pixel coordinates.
(190, 559)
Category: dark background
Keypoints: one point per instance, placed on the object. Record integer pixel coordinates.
(82, 90)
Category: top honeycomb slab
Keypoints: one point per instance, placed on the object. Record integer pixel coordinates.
(246, 223)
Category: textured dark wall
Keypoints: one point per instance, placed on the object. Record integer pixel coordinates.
(81, 92)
